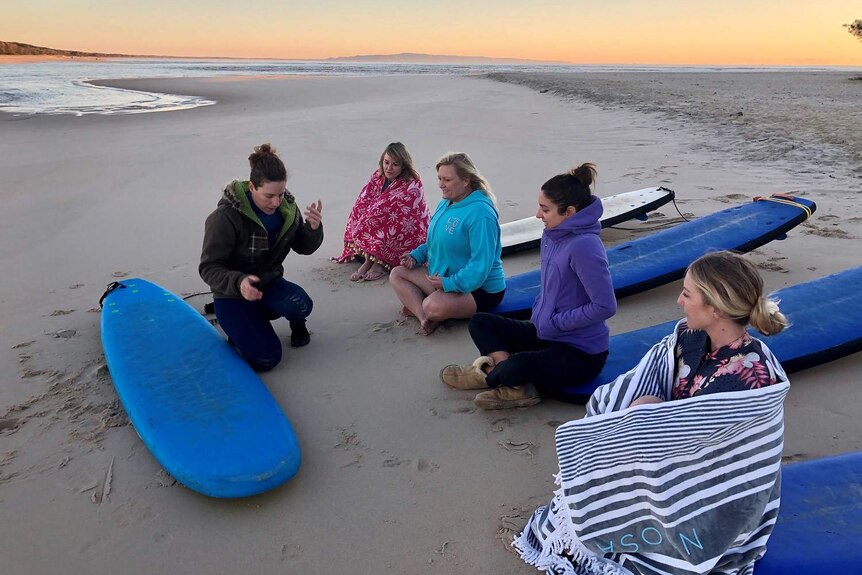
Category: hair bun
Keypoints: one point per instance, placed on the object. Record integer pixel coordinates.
(771, 306)
(585, 173)
(265, 149)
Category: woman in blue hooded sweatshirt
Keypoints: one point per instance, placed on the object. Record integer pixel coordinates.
(566, 340)
(464, 272)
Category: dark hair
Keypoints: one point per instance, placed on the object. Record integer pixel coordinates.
(732, 285)
(571, 188)
(266, 166)
(398, 152)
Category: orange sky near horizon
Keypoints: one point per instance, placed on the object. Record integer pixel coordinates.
(671, 32)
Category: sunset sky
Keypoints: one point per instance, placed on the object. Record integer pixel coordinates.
(748, 32)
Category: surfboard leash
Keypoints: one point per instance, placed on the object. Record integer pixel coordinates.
(111, 287)
(786, 200)
(658, 226)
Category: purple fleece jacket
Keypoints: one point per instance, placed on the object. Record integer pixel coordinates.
(577, 294)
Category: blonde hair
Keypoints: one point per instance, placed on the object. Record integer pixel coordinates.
(466, 170)
(732, 285)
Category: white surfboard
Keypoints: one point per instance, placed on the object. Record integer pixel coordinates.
(526, 233)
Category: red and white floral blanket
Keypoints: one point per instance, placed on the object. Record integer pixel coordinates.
(384, 224)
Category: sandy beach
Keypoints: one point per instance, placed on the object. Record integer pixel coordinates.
(400, 474)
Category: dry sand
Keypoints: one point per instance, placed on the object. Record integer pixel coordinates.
(399, 473)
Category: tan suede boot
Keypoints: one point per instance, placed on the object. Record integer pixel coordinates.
(508, 397)
(467, 376)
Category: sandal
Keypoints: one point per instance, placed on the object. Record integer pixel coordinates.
(375, 273)
(360, 274)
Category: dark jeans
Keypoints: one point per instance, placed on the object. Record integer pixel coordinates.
(248, 323)
(548, 365)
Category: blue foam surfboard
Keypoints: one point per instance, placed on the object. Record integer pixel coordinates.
(663, 257)
(820, 519)
(202, 412)
(826, 324)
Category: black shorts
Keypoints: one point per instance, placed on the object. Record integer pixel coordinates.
(487, 301)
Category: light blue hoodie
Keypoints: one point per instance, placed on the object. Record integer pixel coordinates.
(463, 245)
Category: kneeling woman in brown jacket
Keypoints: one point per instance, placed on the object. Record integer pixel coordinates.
(246, 239)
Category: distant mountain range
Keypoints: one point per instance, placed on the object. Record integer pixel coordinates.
(19, 49)
(412, 58)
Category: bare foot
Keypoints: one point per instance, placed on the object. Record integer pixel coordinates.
(406, 312)
(427, 327)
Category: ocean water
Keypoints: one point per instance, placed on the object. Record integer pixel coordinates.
(65, 88)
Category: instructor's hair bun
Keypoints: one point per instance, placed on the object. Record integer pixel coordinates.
(266, 166)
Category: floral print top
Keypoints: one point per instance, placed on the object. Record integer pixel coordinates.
(737, 366)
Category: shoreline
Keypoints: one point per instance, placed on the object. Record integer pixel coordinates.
(399, 470)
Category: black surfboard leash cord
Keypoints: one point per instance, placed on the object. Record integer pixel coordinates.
(657, 226)
(111, 287)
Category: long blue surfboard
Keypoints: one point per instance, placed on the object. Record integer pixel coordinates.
(820, 519)
(199, 408)
(663, 257)
(826, 324)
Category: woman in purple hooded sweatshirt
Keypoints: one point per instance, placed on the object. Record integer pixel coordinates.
(566, 340)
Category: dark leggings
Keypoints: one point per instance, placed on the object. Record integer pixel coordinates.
(548, 365)
(248, 323)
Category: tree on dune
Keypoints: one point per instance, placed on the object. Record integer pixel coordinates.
(855, 28)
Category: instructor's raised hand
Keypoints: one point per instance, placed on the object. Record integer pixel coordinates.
(312, 214)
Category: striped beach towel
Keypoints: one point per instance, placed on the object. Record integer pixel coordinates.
(680, 487)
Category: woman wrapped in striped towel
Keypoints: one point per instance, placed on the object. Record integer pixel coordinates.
(676, 467)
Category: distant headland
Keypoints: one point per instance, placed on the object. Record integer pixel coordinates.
(23, 50)
(412, 58)
(19, 49)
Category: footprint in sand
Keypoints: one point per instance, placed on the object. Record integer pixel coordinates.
(9, 424)
(824, 232)
(65, 333)
(465, 409)
(423, 465)
(772, 266)
(520, 447)
(290, 551)
(386, 327)
(57, 312)
(730, 198)
(500, 424)
(349, 441)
